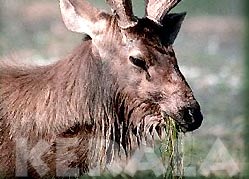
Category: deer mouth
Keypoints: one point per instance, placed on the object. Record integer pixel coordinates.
(187, 119)
(158, 124)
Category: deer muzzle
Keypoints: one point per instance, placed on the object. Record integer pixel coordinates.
(188, 118)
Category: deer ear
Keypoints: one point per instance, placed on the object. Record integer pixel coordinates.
(80, 16)
(171, 25)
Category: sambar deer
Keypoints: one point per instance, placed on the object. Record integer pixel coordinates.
(117, 86)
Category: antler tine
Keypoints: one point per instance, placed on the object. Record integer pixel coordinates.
(123, 8)
(157, 9)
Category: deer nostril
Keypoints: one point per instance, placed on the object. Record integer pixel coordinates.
(192, 118)
(191, 114)
(188, 116)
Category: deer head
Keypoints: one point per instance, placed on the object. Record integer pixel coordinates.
(138, 54)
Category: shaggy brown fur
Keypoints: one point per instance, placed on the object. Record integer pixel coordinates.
(74, 98)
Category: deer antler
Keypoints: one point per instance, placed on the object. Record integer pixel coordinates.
(123, 9)
(157, 9)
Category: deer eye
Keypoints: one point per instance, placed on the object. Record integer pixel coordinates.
(139, 63)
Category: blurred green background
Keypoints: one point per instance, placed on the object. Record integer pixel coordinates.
(209, 49)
